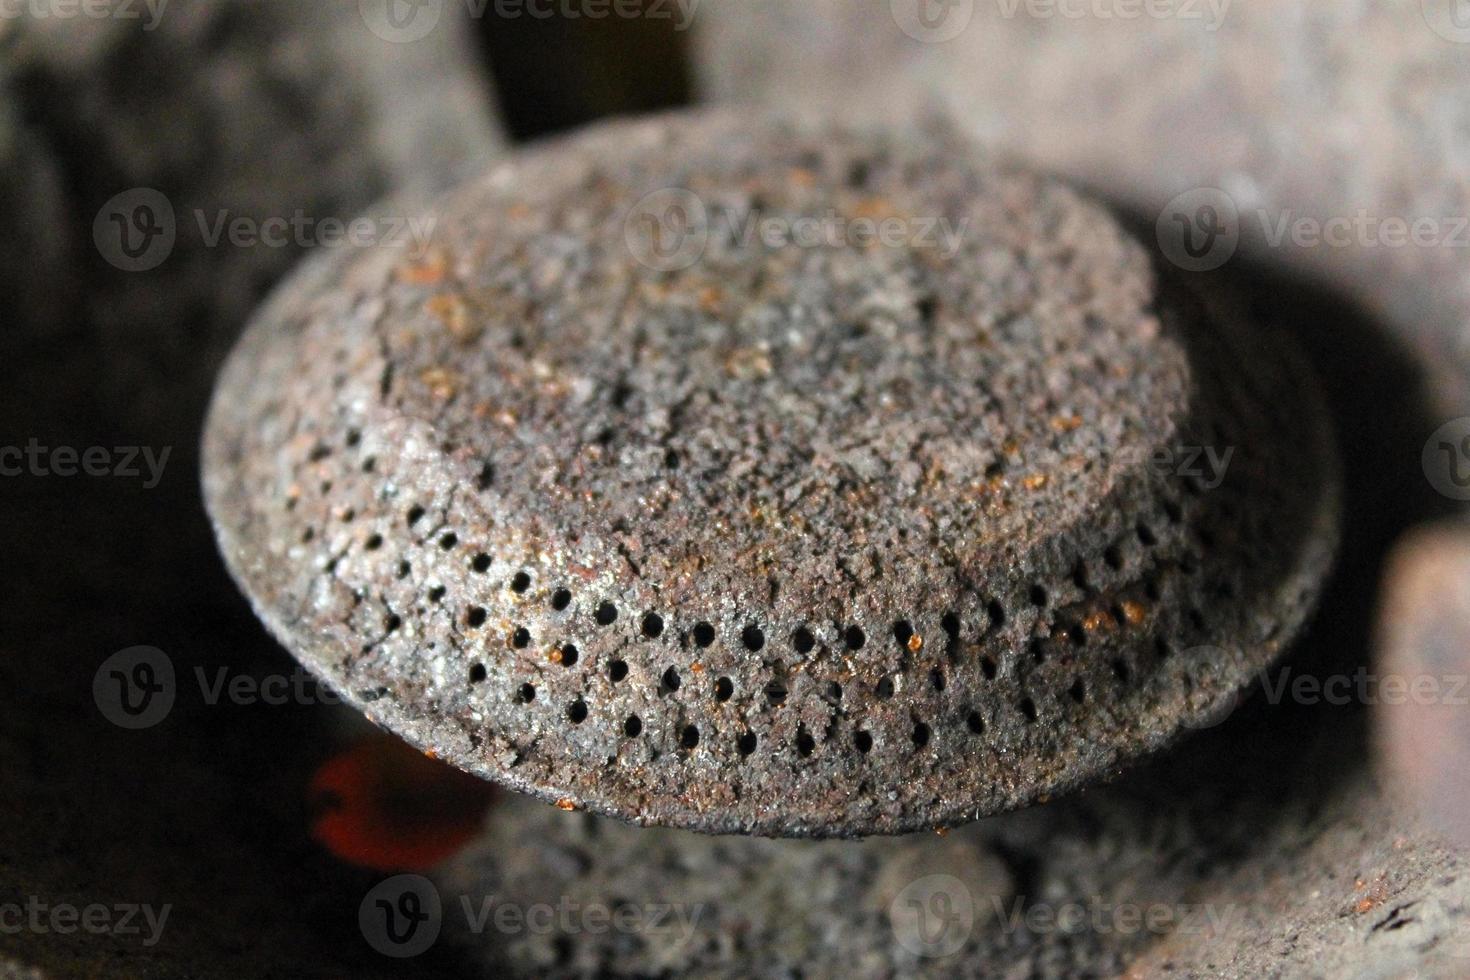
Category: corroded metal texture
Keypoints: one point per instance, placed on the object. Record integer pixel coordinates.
(804, 539)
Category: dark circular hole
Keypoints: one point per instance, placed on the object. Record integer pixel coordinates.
(903, 631)
(987, 667)
(475, 617)
(569, 655)
(1146, 536)
(653, 625)
(560, 599)
(776, 691)
(1038, 595)
(884, 689)
(936, 677)
(521, 638)
(704, 634)
(520, 583)
(477, 673)
(950, 623)
(374, 542)
(1078, 691)
(415, 514)
(671, 460)
(481, 562)
(392, 622)
(617, 670)
(526, 693)
(746, 743)
(920, 735)
(577, 712)
(805, 744)
(1120, 670)
(834, 690)
(353, 438)
(863, 742)
(632, 726)
(724, 689)
(802, 640)
(854, 638)
(369, 464)
(436, 593)
(403, 569)
(975, 723)
(689, 737)
(671, 679)
(1028, 709)
(1113, 558)
(606, 614)
(997, 614)
(448, 540)
(752, 637)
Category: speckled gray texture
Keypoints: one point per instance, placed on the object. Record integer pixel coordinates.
(799, 541)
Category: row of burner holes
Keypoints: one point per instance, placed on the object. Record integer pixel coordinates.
(753, 638)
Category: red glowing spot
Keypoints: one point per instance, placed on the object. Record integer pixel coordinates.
(381, 804)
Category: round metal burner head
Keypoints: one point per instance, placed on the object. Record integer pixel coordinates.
(751, 477)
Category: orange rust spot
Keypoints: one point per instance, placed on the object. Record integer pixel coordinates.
(873, 207)
(1365, 905)
(696, 667)
(427, 271)
(1098, 620)
(1035, 481)
(1010, 447)
(1133, 612)
(454, 313)
(565, 804)
(1066, 423)
(442, 382)
(916, 643)
(554, 656)
(942, 831)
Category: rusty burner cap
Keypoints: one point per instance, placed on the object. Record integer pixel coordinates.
(680, 510)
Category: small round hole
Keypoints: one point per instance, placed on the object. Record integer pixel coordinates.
(1038, 596)
(988, 668)
(805, 744)
(1028, 709)
(560, 599)
(903, 631)
(671, 679)
(374, 542)
(746, 743)
(863, 742)
(403, 569)
(802, 640)
(475, 618)
(653, 625)
(520, 583)
(1078, 691)
(689, 737)
(481, 562)
(477, 673)
(1146, 536)
(884, 690)
(632, 726)
(854, 638)
(392, 622)
(606, 614)
(920, 735)
(617, 670)
(936, 678)
(448, 540)
(724, 689)
(704, 634)
(415, 514)
(577, 712)
(950, 623)
(569, 655)
(436, 593)
(752, 637)
(776, 691)
(975, 723)
(521, 638)
(526, 693)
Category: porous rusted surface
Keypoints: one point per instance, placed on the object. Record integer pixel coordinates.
(846, 540)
